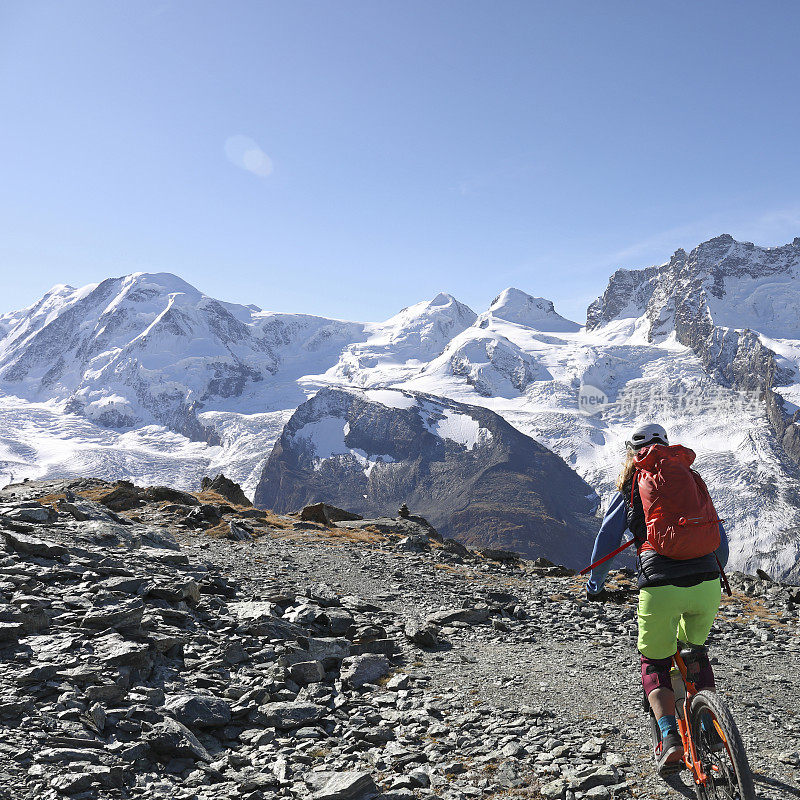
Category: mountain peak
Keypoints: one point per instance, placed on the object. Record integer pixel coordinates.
(443, 299)
(167, 282)
(514, 305)
(443, 306)
(512, 297)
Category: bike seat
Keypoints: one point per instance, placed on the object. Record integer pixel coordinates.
(691, 652)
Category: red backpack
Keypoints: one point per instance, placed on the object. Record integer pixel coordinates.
(681, 520)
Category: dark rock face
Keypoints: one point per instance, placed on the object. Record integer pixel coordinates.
(347, 786)
(684, 289)
(200, 711)
(169, 495)
(424, 634)
(172, 738)
(367, 668)
(125, 496)
(470, 473)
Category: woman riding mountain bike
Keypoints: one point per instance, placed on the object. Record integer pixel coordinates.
(680, 558)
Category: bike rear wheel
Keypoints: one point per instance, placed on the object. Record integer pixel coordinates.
(720, 750)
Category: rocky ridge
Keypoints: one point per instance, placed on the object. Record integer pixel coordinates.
(168, 644)
(717, 300)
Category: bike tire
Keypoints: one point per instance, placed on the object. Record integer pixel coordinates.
(729, 772)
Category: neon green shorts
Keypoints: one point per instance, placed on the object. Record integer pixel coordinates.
(669, 613)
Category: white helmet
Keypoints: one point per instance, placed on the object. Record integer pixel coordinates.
(645, 435)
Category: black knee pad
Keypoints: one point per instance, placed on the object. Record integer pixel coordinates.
(698, 666)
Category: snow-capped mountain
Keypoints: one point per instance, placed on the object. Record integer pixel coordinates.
(404, 343)
(145, 376)
(736, 306)
(512, 305)
(731, 284)
(130, 355)
(147, 349)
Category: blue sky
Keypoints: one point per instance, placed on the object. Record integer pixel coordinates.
(350, 158)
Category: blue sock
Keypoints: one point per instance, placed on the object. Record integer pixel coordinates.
(667, 723)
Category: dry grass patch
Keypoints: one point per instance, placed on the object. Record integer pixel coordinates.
(522, 792)
(334, 535)
(446, 568)
(753, 610)
(274, 521)
(95, 494)
(51, 500)
(218, 531)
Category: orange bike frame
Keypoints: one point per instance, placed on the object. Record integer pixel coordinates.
(685, 728)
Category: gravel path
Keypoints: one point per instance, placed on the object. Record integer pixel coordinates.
(376, 662)
(574, 658)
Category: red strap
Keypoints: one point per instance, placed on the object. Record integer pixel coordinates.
(605, 558)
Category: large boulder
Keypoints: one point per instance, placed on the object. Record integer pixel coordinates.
(326, 648)
(120, 615)
(350, 785)
(306, 672)
(31, 546)
(166, 494)
(226, 488)
(199, 710)
(29, 512)
(469, 616)
(368, 668)
(455, 547)
(113, 650)
(288, 715)
(326, 514)
(258, 617)
(123, 497)
(173, 739)
(424, 634)
(504, 556)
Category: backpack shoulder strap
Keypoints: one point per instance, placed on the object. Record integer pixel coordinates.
(631, 509)
(723, 578)
(634, 482)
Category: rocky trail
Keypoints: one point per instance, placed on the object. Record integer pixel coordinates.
(161, 644)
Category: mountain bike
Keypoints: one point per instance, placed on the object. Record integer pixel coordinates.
(712, 746)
